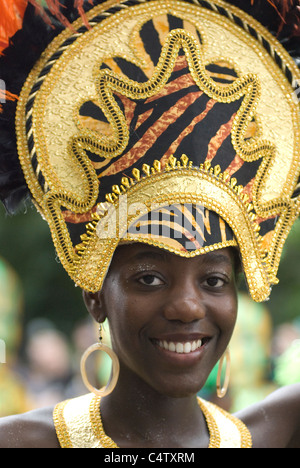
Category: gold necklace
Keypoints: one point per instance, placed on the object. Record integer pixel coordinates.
(215, 439)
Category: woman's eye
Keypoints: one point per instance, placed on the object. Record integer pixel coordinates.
(215, 282)
(151, 280)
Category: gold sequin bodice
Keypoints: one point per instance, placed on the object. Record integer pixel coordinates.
(78, 425)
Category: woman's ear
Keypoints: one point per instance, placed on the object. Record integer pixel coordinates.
(95, 305)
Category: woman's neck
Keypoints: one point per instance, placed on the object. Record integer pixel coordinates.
(136, 415)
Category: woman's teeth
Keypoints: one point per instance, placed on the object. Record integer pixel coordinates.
(180, 348)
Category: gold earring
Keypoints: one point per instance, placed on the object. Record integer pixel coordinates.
(222, 390)
(115, 367)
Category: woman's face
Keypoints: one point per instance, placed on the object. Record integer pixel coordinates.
(171, 318)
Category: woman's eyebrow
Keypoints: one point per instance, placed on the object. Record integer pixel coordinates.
(217, 258)
(149, 255)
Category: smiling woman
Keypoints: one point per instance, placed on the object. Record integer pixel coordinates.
(162, 162)
(171, 319)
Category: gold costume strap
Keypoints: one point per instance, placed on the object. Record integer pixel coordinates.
(226, 431)
(73, 425)
(76, 427)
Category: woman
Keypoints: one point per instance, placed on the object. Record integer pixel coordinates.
(151, 297)
(156, 154)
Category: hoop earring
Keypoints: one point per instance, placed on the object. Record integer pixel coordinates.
(115, 367)
(222, 390)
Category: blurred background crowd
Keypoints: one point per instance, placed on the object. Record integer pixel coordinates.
(46, 329)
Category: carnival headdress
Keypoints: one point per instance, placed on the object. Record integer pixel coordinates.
(166, 122)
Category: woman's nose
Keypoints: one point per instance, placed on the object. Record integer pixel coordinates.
(185, 304)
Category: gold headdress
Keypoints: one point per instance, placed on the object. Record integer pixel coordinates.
(163, 122)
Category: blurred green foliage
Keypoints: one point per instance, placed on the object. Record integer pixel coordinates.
(284, 303)
(25, 242)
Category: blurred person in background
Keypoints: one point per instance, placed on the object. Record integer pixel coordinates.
(188, 113)
(47, 369)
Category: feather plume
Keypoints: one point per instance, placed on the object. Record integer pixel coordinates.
(281, 6)
(11, 19)
(16, 62)
(6, 96)
(12, 13)
(55, 7)
(79, 6)
(26, 32)
(287, 10)
(282, 17)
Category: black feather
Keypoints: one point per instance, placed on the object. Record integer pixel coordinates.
(15, 65)
(27, 46)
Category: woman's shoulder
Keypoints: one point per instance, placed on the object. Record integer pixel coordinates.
(34, 429)
(275, 421)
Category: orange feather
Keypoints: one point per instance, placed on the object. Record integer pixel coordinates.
(11, 19)
(281, 6)
(12, 14)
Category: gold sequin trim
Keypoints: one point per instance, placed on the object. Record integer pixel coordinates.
(215, 439)
(60, 425)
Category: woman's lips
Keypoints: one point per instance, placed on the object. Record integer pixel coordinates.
(181, 346)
